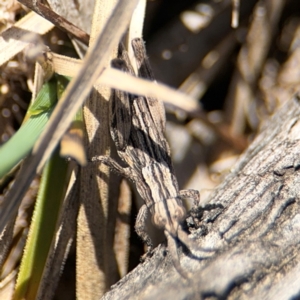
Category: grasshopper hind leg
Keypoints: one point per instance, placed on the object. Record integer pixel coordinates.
(196, 211)
(193, 194)
(140, 228)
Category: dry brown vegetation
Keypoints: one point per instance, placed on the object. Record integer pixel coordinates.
(232, 127)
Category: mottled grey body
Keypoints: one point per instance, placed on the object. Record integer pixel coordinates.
(137, 128)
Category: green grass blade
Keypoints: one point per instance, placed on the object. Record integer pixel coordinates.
(21, 143)
(50, 197)
(46, 98)
(43, 227)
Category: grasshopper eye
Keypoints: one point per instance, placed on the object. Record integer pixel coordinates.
(176, 215)
(178, 212)
(162, 220)
(159, 220)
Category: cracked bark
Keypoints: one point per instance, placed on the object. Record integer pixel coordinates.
(248, 245)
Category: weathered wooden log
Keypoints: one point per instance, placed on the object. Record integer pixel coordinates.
(249, 238)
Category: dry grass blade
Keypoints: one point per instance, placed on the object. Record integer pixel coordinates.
(199, 81)
(136, 85)
(63, 114)
(93, 246)
(250, 61)
(64, 238)
(135, 28)
(235, 13)
(16, 38)
(5, 239)
(119, 80)
(286, 82)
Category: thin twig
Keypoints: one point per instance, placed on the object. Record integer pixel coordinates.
(57, 20)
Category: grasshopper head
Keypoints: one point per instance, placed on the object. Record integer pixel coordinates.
(168, 214)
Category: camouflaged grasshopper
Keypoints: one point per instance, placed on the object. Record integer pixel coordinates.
(137, 129)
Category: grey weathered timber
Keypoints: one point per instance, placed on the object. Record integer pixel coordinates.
(249, 244)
